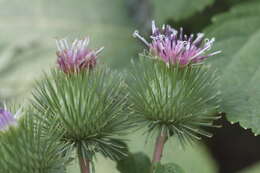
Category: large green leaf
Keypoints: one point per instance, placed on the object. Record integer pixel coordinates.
(238, 36)
(29, 29)
(251, 169)
(135, 163)
(193, 159)
(168, 168)
(178, 9)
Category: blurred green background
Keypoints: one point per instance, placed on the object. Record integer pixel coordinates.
(28, 29)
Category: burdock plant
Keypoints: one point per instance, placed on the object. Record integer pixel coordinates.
(86, 101)
(173, 92)
(23, 147)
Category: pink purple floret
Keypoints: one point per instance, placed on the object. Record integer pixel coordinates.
(174, 47)
(77, 56)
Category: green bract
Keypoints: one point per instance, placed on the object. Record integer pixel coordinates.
(23, 149)
(173, 99)
(89, 107)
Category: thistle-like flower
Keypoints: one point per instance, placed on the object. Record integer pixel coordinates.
(37, 153)
(174, 47)
(174, 101)
(77, 56)
(90, 110)
(7, 119)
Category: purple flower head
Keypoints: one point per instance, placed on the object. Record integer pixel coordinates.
(174, 47)
(77, 56)
(6, 119)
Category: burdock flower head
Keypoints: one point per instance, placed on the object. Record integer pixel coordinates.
(77, 56)
(174, 47)
(7, 119)
(36, 148)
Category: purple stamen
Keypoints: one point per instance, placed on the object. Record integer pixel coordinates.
(175, 47)
(77, 56)
(137, 35)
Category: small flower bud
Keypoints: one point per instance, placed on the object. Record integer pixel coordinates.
(6, 119)
(77, 56)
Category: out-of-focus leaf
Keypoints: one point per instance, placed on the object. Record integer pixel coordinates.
(168, 168)
(178, 9)
(193, 159)
(29, 29)
(102, 165)
(238, 35)
(252, 169)
(141, 13)
(135, 163)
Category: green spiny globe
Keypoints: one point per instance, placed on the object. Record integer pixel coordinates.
(88, 106)
(176, 100)
(23, 148)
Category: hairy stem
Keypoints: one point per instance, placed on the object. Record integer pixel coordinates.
(84, 163)
(159, 146)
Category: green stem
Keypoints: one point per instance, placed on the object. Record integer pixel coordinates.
(84, 163)
(159, 146)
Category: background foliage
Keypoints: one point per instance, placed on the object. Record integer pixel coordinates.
(28, 29)
(239, 62)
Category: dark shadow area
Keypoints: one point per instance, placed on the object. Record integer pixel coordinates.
(233, 147)
(201, 20)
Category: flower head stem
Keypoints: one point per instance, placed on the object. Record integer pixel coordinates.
(158, 149)
(84, 163)
(159, 146)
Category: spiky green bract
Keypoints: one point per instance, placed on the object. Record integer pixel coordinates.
(24, 149)
(174, 100)
(89, 107)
